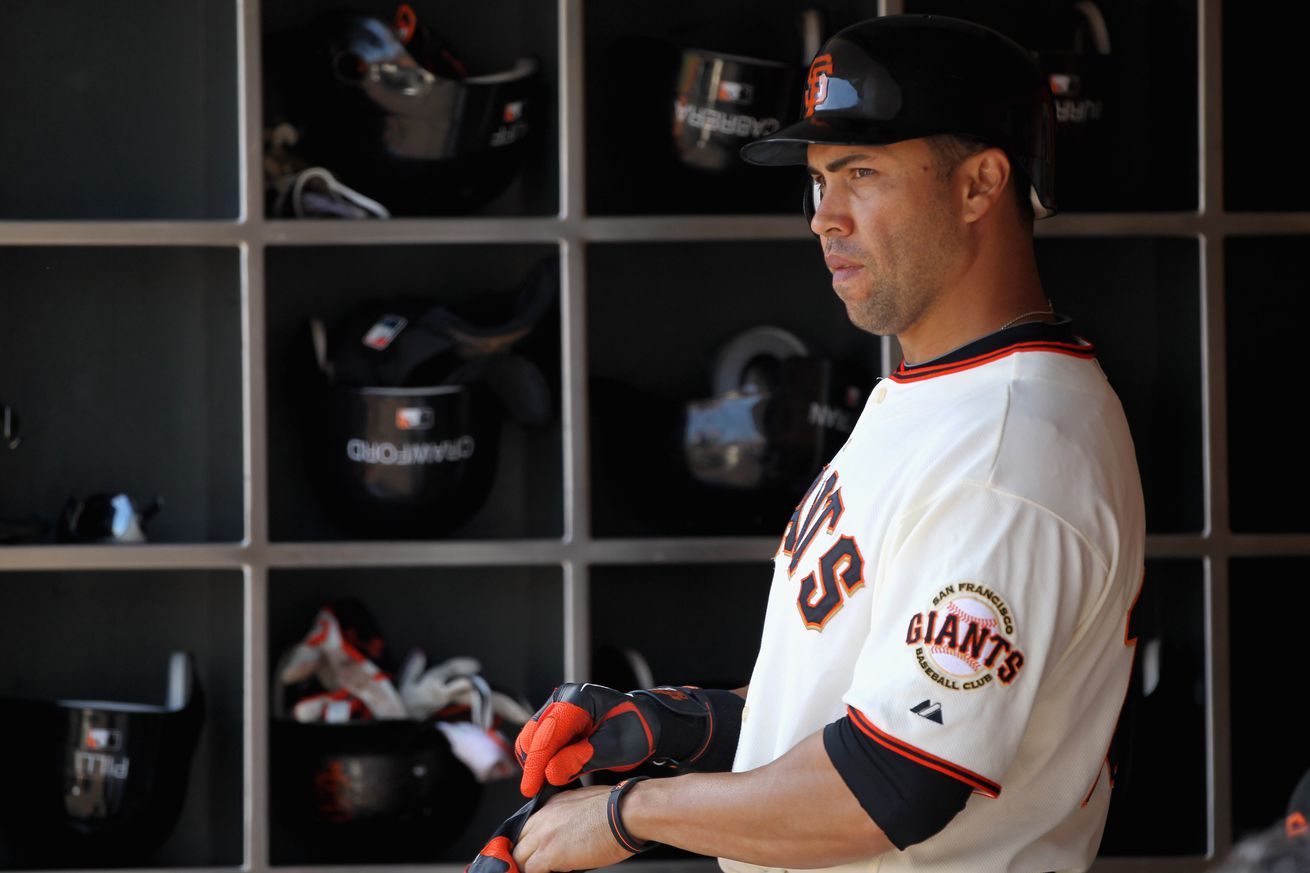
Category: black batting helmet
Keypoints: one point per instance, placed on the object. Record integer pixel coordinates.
(901, 77)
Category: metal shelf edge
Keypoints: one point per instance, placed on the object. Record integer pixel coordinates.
(521, 552)
(181, 232)
(604, 229)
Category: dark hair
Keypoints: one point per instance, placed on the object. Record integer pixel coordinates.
(951, 149)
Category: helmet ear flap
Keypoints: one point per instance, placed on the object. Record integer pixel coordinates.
(809, 208)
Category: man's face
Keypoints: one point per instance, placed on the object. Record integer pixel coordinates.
(889, 230)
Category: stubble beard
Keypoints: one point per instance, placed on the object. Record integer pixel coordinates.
(909, 276)
(890, 304)
(898, 292)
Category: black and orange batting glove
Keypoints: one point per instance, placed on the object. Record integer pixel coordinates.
(584, 728)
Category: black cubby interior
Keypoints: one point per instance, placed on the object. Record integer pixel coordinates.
(1142, 155)
(489, 37)
(1266, 306)
(1161, 747)
(100, 132)
(509, 618)
(1267, 743)
(1138, 301)
(657, 315)
(632, 61)
(716, 611)
(1263, 55)
(125, 368)
(476, 281)
(108, 636)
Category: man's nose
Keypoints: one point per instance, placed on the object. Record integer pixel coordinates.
(830, 215)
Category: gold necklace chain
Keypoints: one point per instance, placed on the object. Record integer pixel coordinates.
(1049, 310)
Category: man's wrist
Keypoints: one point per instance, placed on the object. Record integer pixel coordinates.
(647, 805)
(614, 815)
(640, 808)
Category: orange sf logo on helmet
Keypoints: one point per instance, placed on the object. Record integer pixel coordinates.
(816, 87)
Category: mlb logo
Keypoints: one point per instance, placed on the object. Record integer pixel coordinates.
(1063, 84)
(415, 418)
(381, 335)
(735, 92)
(513, 112)
(103, 739)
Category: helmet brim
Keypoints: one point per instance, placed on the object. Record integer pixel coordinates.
(789, 146)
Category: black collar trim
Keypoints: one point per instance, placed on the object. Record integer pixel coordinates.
(1037, 336)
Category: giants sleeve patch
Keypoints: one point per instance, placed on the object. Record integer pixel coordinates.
(966, 639)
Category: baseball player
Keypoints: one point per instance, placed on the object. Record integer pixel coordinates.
(946, 647)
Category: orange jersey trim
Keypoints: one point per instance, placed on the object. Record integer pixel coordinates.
(930, 371)
(1097, 781)
(980, 784)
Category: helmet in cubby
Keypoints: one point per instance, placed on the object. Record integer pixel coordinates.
(390, 110)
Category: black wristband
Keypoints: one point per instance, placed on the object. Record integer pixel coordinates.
(716, 754)
(695, 728)
(615, 818)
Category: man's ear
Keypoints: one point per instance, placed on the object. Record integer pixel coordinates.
(984, 176)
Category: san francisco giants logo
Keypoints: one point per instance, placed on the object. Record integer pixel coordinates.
(816, 87)
(841, 568)
(966, 639)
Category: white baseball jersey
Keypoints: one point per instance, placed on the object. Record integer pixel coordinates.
(958, 582)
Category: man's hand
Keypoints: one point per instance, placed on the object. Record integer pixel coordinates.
(569, 833)
(564, 740)
(585, 728)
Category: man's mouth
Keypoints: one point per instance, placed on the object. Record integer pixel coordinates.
(842, 268)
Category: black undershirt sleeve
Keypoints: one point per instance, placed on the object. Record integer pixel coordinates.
(906, 800)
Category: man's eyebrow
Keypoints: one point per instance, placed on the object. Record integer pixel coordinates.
(836, 165)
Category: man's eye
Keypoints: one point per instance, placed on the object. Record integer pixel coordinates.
(862, 172)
